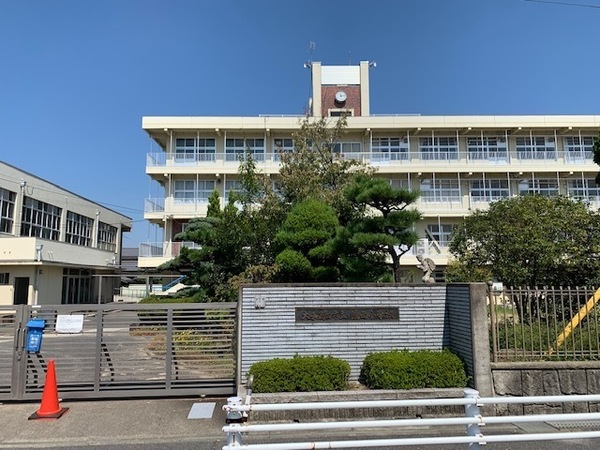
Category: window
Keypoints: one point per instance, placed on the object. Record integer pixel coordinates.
(547, 188)
(234, 186)
(400, 183)
(578, 148)
(389, 149)
(438, 148)
(282, 145)
(584, 189)
(191, 150)
(490, 148)
(205, 188)
(440, 233)
(7, 210)
(79, 229)
(489, 190)
(348, 150)
(184, 191)
(40, 219)
(235, 148)
(440, 190)
(192, 191)
(107, 237)
(535, 147)
(4, 278)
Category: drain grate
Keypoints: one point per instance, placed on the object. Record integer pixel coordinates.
(576, 424)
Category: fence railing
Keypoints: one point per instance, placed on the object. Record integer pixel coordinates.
(529, 324)
(238, 426)
(401, 156)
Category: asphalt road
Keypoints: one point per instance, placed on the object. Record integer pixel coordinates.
(588, 444)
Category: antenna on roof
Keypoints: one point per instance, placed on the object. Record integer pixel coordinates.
(349, 57)
(312, 45)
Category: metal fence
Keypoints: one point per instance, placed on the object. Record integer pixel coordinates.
(238, 427)
(121, 350)
(551, 324)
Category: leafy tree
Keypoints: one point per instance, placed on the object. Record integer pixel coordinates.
(316, 169)
(222, 237)
(382, 223)
(531, 241)
(263, 210)
(306, 242)
(457, 271)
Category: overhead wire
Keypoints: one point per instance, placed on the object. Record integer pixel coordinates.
(581, 5)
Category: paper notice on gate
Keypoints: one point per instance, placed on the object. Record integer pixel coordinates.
(70, 324)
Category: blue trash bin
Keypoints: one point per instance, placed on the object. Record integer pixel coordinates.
(35, 331)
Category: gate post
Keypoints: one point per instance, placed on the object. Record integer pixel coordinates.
(20, 355)
(472, 410)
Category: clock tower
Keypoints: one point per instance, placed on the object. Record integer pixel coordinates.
(340, 90)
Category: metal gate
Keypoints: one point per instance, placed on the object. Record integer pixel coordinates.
(121, 350)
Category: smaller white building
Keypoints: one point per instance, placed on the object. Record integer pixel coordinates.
(55, 246)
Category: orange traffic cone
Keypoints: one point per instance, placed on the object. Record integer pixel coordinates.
(49, 409)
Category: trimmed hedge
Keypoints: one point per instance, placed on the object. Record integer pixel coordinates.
(413, 370)
(300, 374)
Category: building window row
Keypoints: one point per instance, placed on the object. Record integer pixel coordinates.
(43, 220)
(397, 148)
(432, 190)
(107, 237)
(40, 219)
(79, 229)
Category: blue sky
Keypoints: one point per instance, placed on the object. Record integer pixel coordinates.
(76, 76)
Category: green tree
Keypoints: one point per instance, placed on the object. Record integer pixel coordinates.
(317, 169)
(306, 242)
(223, 247)
(381, 229)
(262, 209)
(532, 241)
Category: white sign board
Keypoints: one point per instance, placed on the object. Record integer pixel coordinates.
(72, 323)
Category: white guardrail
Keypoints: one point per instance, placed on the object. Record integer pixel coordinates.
(237, 425)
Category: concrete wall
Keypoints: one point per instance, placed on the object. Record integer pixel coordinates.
(429, 317)
(272, 331)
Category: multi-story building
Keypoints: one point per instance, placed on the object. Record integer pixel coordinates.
(55, 246)
(457, 163)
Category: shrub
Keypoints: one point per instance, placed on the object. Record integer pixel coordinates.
(300, 374)
(160, 299)
(413, 370)
(157, 317)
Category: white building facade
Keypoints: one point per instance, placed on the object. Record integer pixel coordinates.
(55, 246)
(457, 163)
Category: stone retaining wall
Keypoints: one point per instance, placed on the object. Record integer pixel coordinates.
(358, 413)
(546, 378)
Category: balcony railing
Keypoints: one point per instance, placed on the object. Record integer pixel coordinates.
(382, 158)
(164, 249)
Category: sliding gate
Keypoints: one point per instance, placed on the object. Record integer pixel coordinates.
(120, 350)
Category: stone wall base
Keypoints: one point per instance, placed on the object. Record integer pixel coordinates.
(358, 413)
(546, 378)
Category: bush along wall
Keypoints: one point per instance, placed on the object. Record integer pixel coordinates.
(300, 374)
(403, 369)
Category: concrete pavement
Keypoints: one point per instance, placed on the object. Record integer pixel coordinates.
(110, 422)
